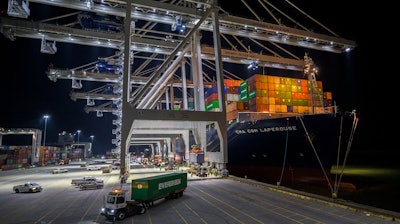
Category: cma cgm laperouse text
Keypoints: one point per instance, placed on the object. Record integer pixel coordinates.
(285, 131)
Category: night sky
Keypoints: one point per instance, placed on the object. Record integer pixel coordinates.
(26, 94)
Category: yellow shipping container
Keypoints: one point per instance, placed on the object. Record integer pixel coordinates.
(278, 108)
(283, 108)
(264, 78)
(272, 108)
(271, 100)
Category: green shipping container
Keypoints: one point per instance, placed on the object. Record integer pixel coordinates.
(252, 94)
(156, 187)
(244, 85)
(212, 105)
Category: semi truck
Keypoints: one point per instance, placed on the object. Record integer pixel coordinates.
(143, 192)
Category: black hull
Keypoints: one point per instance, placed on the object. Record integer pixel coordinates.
(290, 151)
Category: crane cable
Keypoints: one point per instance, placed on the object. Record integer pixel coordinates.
(285, 154)
(316, 154)
(336, 185)
(351, 137)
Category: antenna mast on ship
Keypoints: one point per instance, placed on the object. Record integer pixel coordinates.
(310, 70)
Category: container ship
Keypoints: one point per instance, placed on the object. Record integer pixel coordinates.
(283, 131)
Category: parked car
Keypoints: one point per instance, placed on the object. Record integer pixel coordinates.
(115, 166)
(93, 168)
(27, 187)
(59, 170)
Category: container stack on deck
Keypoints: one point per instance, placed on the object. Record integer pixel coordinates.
(269, 94)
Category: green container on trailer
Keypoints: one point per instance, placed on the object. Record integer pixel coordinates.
(155, 187)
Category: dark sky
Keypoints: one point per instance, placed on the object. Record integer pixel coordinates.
(26, 94)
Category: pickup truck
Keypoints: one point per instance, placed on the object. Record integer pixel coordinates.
(59, 170)
(91, 186)
(93, 168)
(86, 180)
(27, 187)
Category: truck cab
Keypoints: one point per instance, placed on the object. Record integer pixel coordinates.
(118, 206)
(143, 192)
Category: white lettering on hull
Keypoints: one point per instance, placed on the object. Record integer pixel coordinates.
(262, 130)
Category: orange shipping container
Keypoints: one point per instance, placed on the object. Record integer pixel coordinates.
(328, 95)
(270, 79)
(228, 82)
(240, 105)
(271, 93)
(262, 108)
(232, 115)
(271, 86)
(231, 106)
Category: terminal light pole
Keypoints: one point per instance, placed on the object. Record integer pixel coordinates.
(79, 132)
(44, 137)
(91, 146)
(45, 128)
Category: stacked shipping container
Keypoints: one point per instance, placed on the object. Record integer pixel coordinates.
(15, 157)
(269, 94)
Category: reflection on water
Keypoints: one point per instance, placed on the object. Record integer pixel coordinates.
(374, 186)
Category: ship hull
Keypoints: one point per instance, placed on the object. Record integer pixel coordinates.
(288, 151)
